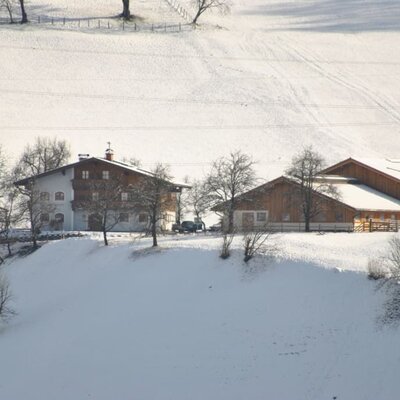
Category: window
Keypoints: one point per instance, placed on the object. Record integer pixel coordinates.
(124, 196)
(44, 217)
(106, 174)
(339, 216)
(59, 217)
(59, 196)
(143, 218)
(95, 196)
(44, 196)
(286, 217)
(261, 216)
(124, 217)
(85, 174)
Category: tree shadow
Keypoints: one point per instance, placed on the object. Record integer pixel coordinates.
(334, 15)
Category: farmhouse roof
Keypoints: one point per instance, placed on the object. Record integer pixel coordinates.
(103, 160)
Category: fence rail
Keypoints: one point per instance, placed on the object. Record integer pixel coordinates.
(377, 226)
(106, 24)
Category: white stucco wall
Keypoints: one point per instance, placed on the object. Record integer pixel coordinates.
(58, 182)
(238, 218)
(81, 223)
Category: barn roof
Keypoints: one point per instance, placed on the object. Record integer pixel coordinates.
(388, 167)
(362, 197)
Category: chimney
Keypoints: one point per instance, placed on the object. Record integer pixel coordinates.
(109, 153)
(82, 157)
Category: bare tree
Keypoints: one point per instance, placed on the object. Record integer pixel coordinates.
(24, 16)
(394, 258)
(105, 203)
(229, 178)
(44, 155)
(136, 162)
(154, 195)
(304, 169)
(182, 203)
(255, 241)
(8, 5)
(6, 311)
(10, 211)
(9, 200)
(126, 13)
(227, 239)
(198, 200)
(202, 6)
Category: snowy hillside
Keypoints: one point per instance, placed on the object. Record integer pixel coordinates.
(122, 323)
(271, 77)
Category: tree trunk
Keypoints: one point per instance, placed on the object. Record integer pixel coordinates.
(24, 18)
(105, 237)
(196, 17)
(34, 241)
(126, 14)
(230, 220)
(154, 233)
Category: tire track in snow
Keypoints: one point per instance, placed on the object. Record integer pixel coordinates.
(378, 99)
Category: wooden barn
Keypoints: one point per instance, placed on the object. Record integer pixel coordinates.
(367, 199)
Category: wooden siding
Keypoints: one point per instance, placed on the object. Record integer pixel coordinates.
(284, 205)
(370, 177)
(82, 191)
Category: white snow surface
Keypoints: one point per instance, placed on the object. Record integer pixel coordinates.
(268, 78)
(126, 322)
(363, 197)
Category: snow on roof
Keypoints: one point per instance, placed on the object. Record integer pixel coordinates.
(388, 166)
(362, 197)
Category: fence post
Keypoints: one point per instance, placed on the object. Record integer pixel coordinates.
(108, 24)
(52, 20)
(123, 25)
(135, 26)
(64, 21)
(179, 26)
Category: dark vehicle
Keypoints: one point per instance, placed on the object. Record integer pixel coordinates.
(215, 228)
(187, 226)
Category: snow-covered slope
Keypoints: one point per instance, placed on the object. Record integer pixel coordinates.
(115, 323)
(274, 76)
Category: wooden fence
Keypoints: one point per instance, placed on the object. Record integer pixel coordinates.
(377, 226)
(85, 24)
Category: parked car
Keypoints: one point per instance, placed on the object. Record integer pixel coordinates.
(186, 226)
(215, 228)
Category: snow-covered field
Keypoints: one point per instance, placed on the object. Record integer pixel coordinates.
(179, 323)
(270, 78)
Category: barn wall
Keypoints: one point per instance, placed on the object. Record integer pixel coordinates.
(283, 204)
(369, 177)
